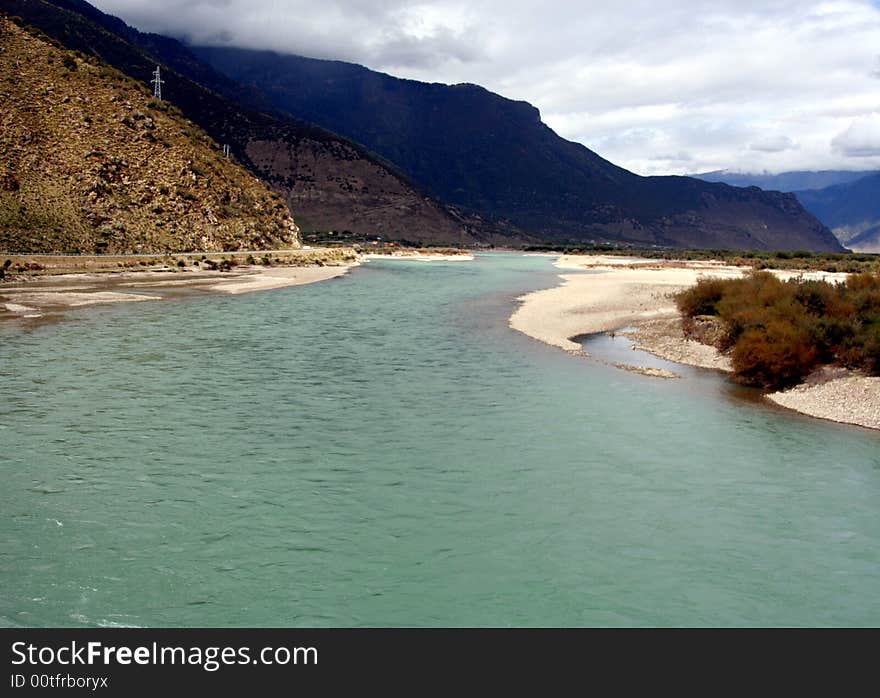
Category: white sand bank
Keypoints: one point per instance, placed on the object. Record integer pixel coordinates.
(263, 279)
(612, 296)
(634, 292)
(35, 300)
(32, 298)
(426, 257)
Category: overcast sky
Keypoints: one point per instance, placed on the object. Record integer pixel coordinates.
(670, 87)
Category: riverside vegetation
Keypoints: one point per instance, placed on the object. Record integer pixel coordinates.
(31, 266)
(798, 260)
(777, 332)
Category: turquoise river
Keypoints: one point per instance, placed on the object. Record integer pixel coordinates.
(382, 450)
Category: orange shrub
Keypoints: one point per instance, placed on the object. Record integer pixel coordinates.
(776, 356)
(777, 332)
(701, 299)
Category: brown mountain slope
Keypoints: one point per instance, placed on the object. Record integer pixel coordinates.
(90, 162)
(328, 182)
(332, 186)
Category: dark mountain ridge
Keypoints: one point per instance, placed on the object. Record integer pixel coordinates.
(846, 201)
(493, 157)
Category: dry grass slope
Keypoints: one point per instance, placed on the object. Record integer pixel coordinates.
(91, 163)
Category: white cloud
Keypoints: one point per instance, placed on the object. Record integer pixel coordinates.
(740, 84)
(773, 144)
(861, 139)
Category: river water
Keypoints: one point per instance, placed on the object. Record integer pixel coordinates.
(382, 450)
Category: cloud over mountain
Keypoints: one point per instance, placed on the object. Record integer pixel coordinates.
(718, 80)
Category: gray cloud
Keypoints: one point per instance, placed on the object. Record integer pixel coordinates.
(636, 80)
(426, 52)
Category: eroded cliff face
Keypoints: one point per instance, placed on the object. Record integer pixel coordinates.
(90, 162)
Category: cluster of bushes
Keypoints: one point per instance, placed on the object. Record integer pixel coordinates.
(848, 262)
(223, 265)
(777, 332)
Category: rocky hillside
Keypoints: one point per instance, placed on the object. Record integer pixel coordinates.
(328, 182)
(495, 158)
(90, 162)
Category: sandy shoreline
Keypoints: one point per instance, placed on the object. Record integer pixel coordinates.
(616, 293)
(850, 399)
(60, 283)
(41, 296)
(621, 292)
(422, 257)
(606, 294)
(265, 279)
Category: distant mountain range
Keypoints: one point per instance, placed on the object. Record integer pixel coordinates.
(785, 181)
(866, 241)
(847, 202)
(351, 149)
(852, 209)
